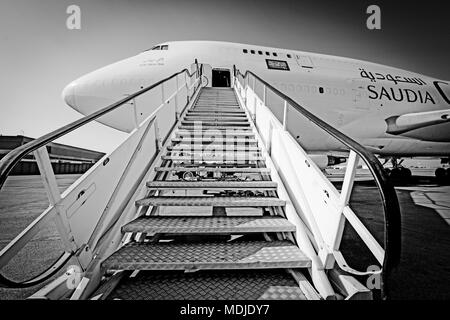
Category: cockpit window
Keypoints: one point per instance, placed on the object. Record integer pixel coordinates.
(163, 47)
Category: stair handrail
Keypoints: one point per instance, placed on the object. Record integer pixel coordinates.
(8, 162)
(391, 208)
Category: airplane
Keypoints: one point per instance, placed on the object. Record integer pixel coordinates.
(394, 113)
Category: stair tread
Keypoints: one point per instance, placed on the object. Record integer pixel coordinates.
(212, 201)
(223, 185)
(214, 148)
(215, 113)
(206, 127)
(207, 255)
(221, 159)
(209, 225)
(214, 110)
(206, 169)
(209, 285)
(214, 139)
(211, 133)
(215, 122)
(213, 118)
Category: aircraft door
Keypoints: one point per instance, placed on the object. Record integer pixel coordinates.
(221, 78)
(359, 95)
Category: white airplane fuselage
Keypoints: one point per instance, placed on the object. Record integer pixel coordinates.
(391, 111)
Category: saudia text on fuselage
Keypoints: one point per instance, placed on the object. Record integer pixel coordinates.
(398, 94)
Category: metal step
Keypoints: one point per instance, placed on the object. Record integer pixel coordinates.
(208, 127)
(217, 111)
(215, 154)
(223, 109)
(222, 119)
(212, 185)
(212, 201)
(208, 148)
(211, 133)
(217, 105)
(216, 114)
(215, 123)
(152, 225)
(216, 141)
(213, 158)
(210, 285)
(224, 101)
(208, 255)
(206, 169)
(217, 108)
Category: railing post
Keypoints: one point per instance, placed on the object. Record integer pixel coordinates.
(187, 87)
(349, 178)
(54, 197)
(344, 198)
(285, 112)
(246, 90)
(157, 135)
(269, 140)
(254, 99)
(177, 115)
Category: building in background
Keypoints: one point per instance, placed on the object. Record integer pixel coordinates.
(65, 159)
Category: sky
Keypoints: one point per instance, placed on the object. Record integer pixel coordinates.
(39, 55)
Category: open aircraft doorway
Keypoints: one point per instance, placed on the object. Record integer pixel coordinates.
(221, 78)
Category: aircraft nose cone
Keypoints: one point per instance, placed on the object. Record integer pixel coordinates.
(68, 94)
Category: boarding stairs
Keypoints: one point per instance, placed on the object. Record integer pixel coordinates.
(239, 247)
(210, 197)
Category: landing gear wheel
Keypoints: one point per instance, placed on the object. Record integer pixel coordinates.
(406, 173)
(440, 173)
(400, 173)
(188, 176)
(396, 173)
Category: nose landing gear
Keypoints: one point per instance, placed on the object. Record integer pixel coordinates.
(398, 172)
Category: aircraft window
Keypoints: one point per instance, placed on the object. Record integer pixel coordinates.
(289, 56)
(275, 54)
(260, 52)
(320, 89)
(252, 51)
(267, 53)
(245, 51)
(165, 47)
(154, 48)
